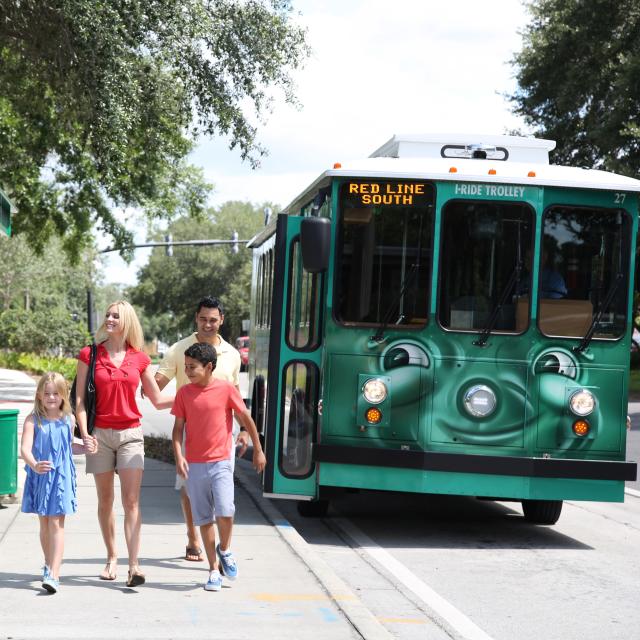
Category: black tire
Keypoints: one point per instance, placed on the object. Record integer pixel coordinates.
(313, 508)
(542, 511)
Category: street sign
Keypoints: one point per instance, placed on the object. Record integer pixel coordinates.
(5, 214)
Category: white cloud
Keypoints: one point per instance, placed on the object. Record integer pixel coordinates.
(377, 68)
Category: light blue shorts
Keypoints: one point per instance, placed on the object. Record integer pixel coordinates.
(210, 489)
(181, 483)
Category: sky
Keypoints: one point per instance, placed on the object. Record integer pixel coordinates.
(377, 68)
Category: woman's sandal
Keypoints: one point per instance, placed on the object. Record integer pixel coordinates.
(109, 571)
(135, 577)
(193, 554)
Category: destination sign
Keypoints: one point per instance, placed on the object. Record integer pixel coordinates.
(404, 194)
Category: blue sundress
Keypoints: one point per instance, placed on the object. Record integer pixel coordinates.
(52, 493)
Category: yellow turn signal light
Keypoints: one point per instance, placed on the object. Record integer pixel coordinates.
(453, 170)
(373, 415)
(581, 428)
(492, 172)
(531, 174)
(337, 165)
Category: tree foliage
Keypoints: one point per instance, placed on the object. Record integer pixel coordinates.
(579, 81)
(100, 102)
(42, 299)
(169, 287)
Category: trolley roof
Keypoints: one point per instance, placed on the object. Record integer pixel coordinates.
(470, 158)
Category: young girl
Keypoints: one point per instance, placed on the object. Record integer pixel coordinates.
(50, 488)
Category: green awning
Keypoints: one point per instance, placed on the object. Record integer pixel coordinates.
(5, 213)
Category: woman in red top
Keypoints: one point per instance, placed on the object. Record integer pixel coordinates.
(120, 367)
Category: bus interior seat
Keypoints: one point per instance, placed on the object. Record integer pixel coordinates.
(559, 317)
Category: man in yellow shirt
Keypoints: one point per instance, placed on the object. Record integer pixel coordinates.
(209, 318)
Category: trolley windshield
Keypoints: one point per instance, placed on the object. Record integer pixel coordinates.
(584, 272)
(485, 265)
(384, 251)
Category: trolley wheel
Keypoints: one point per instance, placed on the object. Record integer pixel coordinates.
(542, 511)
(313, 508)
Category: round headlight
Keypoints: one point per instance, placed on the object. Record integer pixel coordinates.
(480, 401)
(374, 390)
(582, 402)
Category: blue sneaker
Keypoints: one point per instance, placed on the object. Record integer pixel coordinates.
(50, 584)
(45, 572)
(214, 583)
(228, 566)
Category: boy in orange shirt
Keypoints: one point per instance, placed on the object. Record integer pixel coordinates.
(206, 406)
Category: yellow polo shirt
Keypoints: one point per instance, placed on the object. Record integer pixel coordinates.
(227, 365)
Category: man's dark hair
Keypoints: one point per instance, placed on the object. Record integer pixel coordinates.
(203, 352)
(210, 303)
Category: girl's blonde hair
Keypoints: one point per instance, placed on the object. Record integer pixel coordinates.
(56, 379)
(129, 322)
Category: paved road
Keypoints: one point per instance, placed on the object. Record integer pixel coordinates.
(478, 571)
(633, 440)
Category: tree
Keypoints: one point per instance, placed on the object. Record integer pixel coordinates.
(100, 103)
(169, 287)
(578, 79)
(42, 298)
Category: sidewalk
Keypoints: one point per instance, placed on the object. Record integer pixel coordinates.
(283, 589)
(275, 594)
(16, 386)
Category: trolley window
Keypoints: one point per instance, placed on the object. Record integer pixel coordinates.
(384, 252)
(584, 271)
(303, 306)
(298, 418)
(485, 265)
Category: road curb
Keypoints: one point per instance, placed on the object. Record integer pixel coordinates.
(362, 620)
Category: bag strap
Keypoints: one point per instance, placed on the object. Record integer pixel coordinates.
(92, 367)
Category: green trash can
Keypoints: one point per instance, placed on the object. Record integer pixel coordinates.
(8, 451)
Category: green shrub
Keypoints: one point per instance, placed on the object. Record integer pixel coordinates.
(40, 332)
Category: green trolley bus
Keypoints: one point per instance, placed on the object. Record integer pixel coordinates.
(450, 316)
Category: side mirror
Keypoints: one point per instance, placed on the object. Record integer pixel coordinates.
(315, 241)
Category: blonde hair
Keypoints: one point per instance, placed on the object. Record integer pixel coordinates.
(56, 379)
(131, 329)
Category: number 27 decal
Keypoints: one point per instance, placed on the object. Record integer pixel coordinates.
(618, 198)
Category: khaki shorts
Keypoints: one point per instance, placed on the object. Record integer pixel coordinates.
(117, 449)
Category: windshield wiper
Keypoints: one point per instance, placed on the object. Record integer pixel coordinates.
(584, 343)
(378, 336)
(486, 332)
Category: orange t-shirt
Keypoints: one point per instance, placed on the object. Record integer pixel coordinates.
(209, 419)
